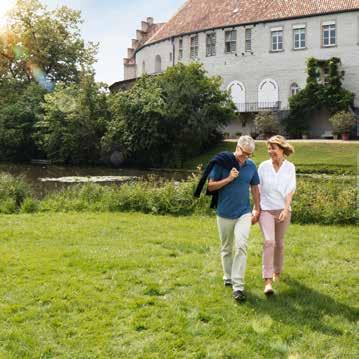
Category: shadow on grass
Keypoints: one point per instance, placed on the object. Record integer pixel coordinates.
(298, 305)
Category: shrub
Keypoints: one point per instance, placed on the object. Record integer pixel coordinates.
(321, 201)
(13, 192)
(342, 122)
(324, 201)
(266, 124)
(164, 120)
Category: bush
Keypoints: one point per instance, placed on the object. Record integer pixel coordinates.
(324, 201)
(13, 192)
(266, 124)
(321, 201)
(164, 120)
(342, 122)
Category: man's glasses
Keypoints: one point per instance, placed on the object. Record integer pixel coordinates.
(247, 154)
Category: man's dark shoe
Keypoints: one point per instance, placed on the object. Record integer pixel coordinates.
(228, 283)
(239, 296)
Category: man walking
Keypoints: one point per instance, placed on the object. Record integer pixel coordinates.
(234, 215)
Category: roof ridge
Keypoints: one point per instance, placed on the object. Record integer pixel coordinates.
(197, 15)
(167, 22)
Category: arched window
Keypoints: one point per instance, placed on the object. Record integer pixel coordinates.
(143, 67)
(158, 64)
(268, 94)
(294, 89)
(238, 93)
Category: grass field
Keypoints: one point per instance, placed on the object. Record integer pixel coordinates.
(309, 157)
(141, 286)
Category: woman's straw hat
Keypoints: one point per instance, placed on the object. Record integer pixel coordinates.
(282, 143)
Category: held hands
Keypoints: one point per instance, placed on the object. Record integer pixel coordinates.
(233, 174)
(283, 215)
(255, 216)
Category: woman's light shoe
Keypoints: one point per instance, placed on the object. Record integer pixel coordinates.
(268, 290)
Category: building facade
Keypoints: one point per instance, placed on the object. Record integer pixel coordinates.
(259, 48)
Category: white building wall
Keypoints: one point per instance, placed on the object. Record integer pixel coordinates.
(284, 67)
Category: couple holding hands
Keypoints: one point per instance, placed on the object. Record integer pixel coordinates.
(230, 176)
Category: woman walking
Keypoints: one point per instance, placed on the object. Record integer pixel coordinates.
(277, 187)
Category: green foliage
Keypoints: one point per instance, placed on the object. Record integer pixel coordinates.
(20, 106)
(327, 94)
(44, 46)
(266, 124)
(13, 192)
(324, 201)
(74, 121)
(166, 119)
(342, 122)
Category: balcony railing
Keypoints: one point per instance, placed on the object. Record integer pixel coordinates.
(258, 106)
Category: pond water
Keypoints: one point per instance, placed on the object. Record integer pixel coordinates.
(47, 178)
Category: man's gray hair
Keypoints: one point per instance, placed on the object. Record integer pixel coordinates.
(247, 143)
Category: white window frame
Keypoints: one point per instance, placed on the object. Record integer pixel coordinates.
(180, 49)
(194, 40)
(275, 34)
(301, 30)
(248, 39)
(211, 40)
(230, 41)
(328, 26)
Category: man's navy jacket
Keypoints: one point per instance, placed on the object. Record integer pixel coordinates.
(224, 159)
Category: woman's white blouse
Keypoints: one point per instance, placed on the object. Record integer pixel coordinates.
(275, 186)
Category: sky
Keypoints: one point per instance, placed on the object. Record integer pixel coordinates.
(113, 23)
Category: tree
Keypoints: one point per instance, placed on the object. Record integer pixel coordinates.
(74, 121)
(164, 120)
(20, 106)
(316, 96)
(44, 46)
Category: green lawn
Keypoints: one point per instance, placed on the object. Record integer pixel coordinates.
(142, 286)
(309, 157)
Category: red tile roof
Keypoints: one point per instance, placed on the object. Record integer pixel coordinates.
(196, 15)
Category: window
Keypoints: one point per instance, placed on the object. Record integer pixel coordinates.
(248, 44)
(143, 67)
(180, 49)
(194, 47)
(299, 38)
(294, 89)
(211, 44)
(329, 35)
(277, 40)
(230, 41)
(158, 64)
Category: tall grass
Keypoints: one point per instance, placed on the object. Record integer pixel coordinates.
(322, 201)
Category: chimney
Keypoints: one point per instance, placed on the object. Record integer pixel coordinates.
(144, 26)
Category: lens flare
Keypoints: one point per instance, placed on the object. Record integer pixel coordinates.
(40, 77)
(5, 6)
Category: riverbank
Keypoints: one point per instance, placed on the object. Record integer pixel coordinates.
(141, 286)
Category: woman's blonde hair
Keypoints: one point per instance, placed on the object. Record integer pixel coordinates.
(282, 143)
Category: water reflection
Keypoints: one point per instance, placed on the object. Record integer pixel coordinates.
(34, 175)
